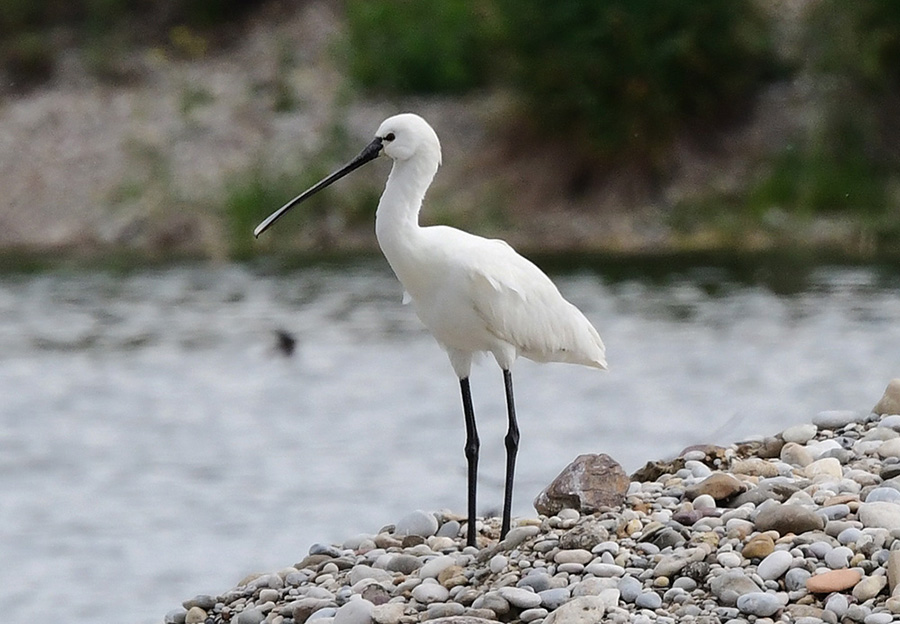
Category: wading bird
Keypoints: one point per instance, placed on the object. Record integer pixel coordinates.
(474, 294)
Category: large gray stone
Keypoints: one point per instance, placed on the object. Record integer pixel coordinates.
(588, 484)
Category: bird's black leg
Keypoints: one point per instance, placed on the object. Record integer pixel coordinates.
(512, 447)
(472, 445)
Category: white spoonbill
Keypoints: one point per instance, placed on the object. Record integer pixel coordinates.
(474, 294)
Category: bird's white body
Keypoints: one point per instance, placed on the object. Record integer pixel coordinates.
(474, 294)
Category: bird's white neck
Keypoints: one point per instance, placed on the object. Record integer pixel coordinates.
(397, 218)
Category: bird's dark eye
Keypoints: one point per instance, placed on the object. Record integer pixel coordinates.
(389, 136)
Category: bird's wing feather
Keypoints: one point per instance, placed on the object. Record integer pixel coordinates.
(521, 306)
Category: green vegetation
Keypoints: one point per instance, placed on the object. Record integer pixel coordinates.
(30, 30)
(849, 162)
(615, 81)
(418, 46)
(621, 77)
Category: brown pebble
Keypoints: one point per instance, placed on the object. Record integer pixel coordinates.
(719, 485)
(890, 402)
(758, 547)
(833, 580)
(755, 467)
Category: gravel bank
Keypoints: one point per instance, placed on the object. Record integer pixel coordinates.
(800, 527)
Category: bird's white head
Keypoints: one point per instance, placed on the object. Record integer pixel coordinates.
(406, 135)
(402, 138)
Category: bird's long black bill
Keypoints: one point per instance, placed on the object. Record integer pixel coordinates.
(370, 152)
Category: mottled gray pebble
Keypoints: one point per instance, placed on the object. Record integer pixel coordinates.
(883, 494)
(175, 616)
(760, 604)
(554, 598)
(403, 563)
(445, 609)
(629, 588)
(520, 597)
(837, 604)
(731, 584)
(648, 600)
(252, 616)
(449, 529)
(538, 581)
(324, 549)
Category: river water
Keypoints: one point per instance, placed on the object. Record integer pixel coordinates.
(154, 444)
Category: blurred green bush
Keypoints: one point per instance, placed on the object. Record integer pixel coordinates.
(849, 160)
(29, 29)
(624, 75)
(419, 46)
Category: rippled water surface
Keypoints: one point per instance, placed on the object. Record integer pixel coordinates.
(155, 445)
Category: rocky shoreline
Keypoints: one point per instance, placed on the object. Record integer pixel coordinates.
(799, 527)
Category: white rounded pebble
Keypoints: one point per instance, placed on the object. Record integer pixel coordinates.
(519, 534)
(837, 603)
(574, 556)
(530, 615)
(605, 570)
(357, 610)
(800, 434)
(435, 566)
(883, 495)
(827, 466)
(760, 604)
(889, 448)
(833, 419)
(704, 501)
(428, 592)
(729, 559)
(880, 515)
(773, 566)
(418, 522)
(568, 514)
(520, 597)
(498, 564)
(839, 557)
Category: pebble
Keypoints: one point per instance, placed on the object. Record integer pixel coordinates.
(648, 600)
(869, 587)
(775, 565)
(800, 434)
(880, 514)
(808, 531)
(584, 609)
(520, 598)
(833, 419)
(833, 580)
(426, 593)
(788, 519)
(760, 604)
(435, 566)
(419, 523)
(355, 611)
(554, 598)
